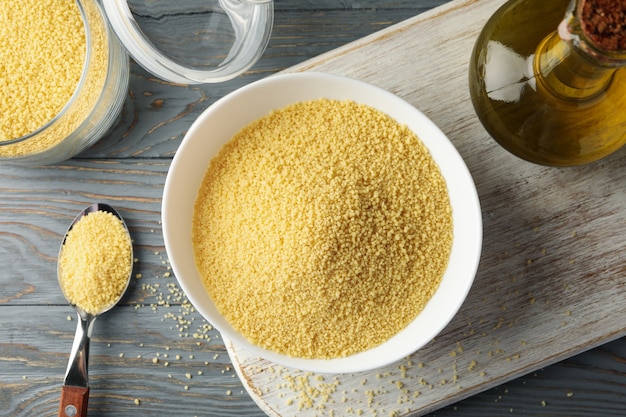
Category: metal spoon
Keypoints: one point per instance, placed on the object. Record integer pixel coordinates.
(75, 390)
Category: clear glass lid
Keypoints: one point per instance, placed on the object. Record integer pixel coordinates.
(193, 41)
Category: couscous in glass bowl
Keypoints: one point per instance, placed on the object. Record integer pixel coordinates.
(220, 39)
(92, 106)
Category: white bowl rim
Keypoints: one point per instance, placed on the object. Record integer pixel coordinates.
(256, 100)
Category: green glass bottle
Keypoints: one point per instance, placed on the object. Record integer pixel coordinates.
(547, 84)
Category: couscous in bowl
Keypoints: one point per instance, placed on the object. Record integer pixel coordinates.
(70, 88)
(206, 139)
(66, 68)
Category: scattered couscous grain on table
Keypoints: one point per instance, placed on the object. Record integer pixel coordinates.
(94, 262)
(322, 229)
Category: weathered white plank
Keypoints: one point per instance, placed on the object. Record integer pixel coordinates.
(552, 278)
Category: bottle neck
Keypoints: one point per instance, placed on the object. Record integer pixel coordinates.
(567, 73)
(572, 67)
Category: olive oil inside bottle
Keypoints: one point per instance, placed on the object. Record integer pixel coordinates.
(537, 96)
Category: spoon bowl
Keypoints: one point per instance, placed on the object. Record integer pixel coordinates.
(75, 390)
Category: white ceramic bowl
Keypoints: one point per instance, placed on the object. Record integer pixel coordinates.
(228, 115)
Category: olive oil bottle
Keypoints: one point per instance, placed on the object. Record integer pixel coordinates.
(544, 87)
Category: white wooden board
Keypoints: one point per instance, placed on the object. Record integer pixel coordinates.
(552, 279)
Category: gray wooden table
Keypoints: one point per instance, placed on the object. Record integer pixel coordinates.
(154, 355)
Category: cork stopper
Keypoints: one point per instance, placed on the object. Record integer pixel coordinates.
(604, 23)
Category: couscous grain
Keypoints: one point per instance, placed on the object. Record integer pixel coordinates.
(94, 262)
(322, 229)
(43, 51)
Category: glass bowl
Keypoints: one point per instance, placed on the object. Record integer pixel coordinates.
(188, 41)
(93, 107)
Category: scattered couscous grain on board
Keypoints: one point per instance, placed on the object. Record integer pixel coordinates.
(94, 262)
(322, 229)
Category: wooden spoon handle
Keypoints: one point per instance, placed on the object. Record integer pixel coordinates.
(73, 401)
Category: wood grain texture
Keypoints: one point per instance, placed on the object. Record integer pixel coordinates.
(156, 349)
(74, 401)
